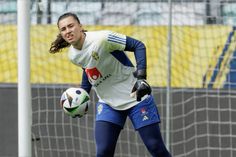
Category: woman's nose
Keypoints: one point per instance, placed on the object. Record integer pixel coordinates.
(68, 30)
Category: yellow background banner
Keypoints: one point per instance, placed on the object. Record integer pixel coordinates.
(195, 53)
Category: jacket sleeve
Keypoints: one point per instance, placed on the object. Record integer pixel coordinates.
(85, 84)
(139, 50)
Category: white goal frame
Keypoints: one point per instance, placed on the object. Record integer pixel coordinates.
(24, 88)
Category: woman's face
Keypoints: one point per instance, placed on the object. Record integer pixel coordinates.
(70, 30)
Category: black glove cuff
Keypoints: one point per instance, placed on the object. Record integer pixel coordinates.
(140, 74)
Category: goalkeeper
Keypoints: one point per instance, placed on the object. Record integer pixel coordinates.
(121, 88)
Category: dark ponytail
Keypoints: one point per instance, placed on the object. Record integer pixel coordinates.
(58, 44)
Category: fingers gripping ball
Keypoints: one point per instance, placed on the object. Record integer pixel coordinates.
(75, 102)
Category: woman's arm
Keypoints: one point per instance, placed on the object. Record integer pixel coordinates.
(139, 50)
(85, 84)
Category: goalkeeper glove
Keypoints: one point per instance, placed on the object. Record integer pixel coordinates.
(141, 87)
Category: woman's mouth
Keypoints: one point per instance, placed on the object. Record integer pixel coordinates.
(70, 37)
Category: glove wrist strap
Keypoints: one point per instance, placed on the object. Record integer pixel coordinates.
(142, 74)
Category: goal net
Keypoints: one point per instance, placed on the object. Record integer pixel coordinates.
(193, 54)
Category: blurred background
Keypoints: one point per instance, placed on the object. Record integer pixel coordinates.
(191, 67)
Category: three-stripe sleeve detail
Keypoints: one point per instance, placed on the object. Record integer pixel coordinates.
(116, 39)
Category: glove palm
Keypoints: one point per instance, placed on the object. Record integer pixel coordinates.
(141, 88)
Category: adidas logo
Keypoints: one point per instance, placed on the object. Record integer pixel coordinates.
(145, 118)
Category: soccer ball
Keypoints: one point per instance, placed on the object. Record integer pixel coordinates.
(75, 102)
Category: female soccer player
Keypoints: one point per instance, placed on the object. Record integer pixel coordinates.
(121, 88)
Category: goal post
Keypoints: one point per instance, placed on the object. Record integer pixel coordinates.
(168, 76)
(24, 87)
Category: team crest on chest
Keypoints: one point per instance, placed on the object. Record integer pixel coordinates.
(95, 55)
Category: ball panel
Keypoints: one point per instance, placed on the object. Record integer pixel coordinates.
(75, 102)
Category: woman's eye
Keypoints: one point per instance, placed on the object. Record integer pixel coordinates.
(62, 29)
